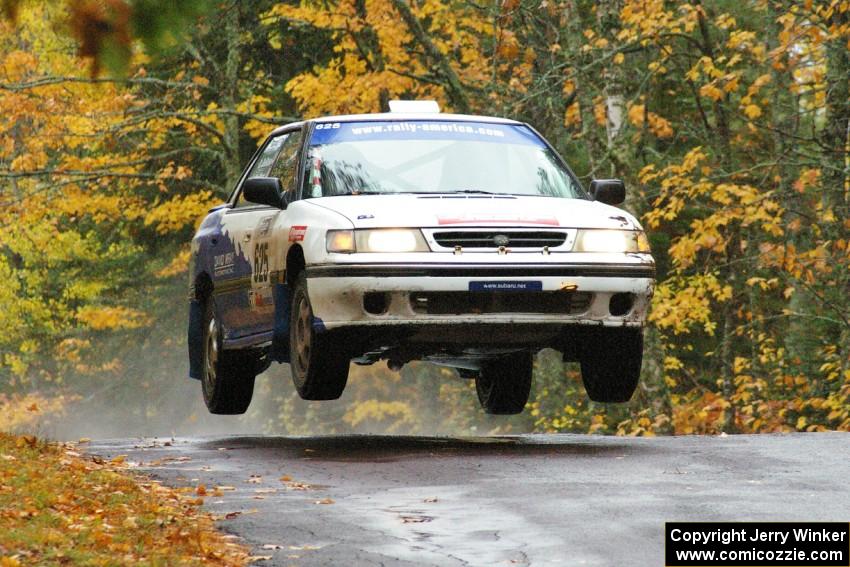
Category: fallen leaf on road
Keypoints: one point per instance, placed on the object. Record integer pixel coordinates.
(220, 488)
(231, 515)
(305, 547)
(272, 546)
(84, 440)
(325, 501)
(201, 490)
(255, 558)
(430, 500)
(255, 479)
(286, 478)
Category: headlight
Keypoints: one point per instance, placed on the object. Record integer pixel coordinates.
(340, 241)
(611, 241)
(376, 240)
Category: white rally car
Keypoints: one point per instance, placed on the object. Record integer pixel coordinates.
(465, 241)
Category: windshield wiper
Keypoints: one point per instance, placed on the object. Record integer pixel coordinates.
(453, 191)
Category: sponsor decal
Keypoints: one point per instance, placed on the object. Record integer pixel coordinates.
(261, 299)
(533, 285)
(264, 226)
(497, 219)
(297, 233)
(223, 264)
(331, 133)
(261, 262)
(316, 174)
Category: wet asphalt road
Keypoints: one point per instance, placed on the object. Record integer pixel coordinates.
(525, 500)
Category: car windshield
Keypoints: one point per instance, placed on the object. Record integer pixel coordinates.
(351, 158)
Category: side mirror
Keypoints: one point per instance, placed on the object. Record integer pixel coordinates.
(263, 191)
(608, 191)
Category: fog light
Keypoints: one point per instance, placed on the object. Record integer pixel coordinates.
(376, 302)
(621, 303)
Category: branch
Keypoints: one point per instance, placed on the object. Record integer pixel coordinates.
(454, 87)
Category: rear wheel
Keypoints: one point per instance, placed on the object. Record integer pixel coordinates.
(228, 381)
(319, 366)
(610, 364)
(503, 385)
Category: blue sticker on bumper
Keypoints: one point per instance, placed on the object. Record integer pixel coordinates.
(506, 286)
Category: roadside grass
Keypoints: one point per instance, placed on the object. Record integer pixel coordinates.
(59, 507)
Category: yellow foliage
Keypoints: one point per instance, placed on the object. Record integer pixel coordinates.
(701, 415)
(23, 413)
(752, 111)
(457, 32)
(572, 117)
(656, 124)
(684, 302)
(178, 264)
(108, 318)
(711, 91)
(393, 416)
(180, 212)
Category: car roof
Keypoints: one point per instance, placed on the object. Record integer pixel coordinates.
(402, 116)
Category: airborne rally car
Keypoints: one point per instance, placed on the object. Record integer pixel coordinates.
(465, 241)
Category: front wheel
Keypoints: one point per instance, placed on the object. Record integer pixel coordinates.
(319, 365)
(610, 364)
(503, 384)
(228, 380)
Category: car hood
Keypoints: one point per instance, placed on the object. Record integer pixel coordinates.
(369, 211)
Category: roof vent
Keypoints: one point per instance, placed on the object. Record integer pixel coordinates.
(414, 106)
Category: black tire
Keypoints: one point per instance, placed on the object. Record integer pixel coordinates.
(610, 364)
(319, 366)
(503, 385)
(228, 380)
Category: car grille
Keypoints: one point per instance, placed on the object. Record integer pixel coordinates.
(465, 303)
(495, 239)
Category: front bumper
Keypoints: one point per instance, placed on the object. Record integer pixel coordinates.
(454, 290)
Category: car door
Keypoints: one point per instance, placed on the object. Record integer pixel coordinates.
(239, 259)
(269, 244)
(245, 301)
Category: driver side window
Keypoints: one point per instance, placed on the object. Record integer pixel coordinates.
(262, 166)
(286, 165)
(278, 159)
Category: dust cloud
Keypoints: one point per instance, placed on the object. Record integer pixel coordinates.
(147, 393)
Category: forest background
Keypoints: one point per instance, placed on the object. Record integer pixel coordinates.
(122, 122)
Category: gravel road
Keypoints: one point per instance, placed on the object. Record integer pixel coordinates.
(523, 500)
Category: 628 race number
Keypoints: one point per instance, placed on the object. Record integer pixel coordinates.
(261, 262)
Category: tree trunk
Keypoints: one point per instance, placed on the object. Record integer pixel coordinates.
(835, 165)
(230, 97)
